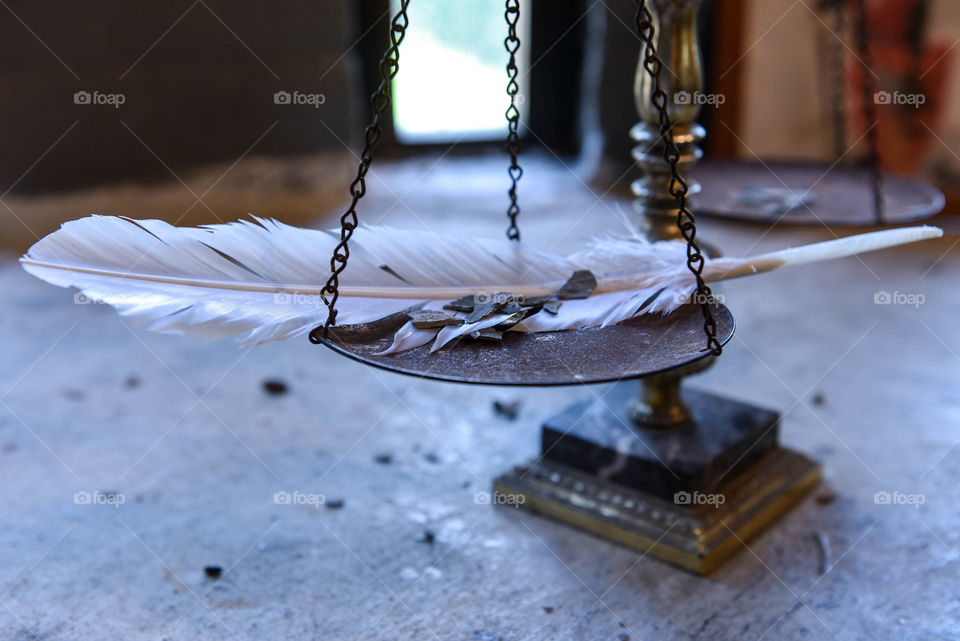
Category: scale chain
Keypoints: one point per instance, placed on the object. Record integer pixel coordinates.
(379, 101)
(867, 87)
(837, 53)
(512, 45)
(678, 186)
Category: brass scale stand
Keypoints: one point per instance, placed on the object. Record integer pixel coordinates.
(685, 476)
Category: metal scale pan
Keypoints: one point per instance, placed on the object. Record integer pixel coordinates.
(639, 347)
(773, 192)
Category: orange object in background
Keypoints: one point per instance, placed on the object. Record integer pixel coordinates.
(910, 82)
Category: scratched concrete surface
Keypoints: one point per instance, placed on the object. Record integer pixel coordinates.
(184, 434)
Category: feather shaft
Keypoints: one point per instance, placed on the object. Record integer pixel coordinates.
(817, 252)
(411, 293)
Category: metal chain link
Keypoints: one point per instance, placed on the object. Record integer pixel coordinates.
(678, 186)
(867, 88)
(379, 101)
(512, 45)
(838, 94)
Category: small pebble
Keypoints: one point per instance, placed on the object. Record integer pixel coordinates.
(427, 537)
(430, 457)
(429, 319)
(463, 304)
(819, 399)
(548, 609)
(580, 285)
(383, 459)
(483, 310)
(488, 334)
(213, 571)
(274, 387)
(335, 504)
(132, 382)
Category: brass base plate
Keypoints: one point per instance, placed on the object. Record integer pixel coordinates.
(696, 537)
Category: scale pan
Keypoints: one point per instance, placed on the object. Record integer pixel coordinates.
(639, 347)
(842, 196)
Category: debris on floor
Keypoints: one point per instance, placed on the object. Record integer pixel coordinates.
(507, 409)
(826, 495)
(274, 387)
(824, 543)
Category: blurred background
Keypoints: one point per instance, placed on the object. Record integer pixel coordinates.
(203, 110)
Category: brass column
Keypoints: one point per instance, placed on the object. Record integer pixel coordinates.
(675, 23)
(660, 404)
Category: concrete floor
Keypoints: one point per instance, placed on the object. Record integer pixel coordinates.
(184, 434)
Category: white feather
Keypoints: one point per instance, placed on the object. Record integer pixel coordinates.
(452, 332)
(262, 279)
(409, 337)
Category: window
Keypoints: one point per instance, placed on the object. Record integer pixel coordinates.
(452, 80)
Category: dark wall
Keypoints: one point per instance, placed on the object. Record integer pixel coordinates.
(197, 79)
(617, 108)
(621, 52)
(558, 33)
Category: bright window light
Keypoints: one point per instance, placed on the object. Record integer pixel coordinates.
(452, 80)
